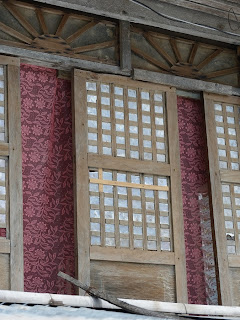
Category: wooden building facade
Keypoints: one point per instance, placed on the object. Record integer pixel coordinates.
(138, 71)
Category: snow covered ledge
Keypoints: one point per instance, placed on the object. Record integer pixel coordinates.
(89, 302)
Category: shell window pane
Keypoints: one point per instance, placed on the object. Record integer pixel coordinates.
(151, 245)
(164, 220)
(229, 108)
(135, 178)
(91, 98)
(228, 212)
(123, 229)
(158, 109)
(132, 105)
(228, 224)
(146, 119)
(231, 131)
(225, 188)
(110, 242)
(118, 91)
(137, 217)
(105, 113)
(160, 145)
(222, 153)
(219, 118)
(107, 189)
(161, 158)
(150, 218)
(133, 117)
(119, 115)
(147, 156)
(138, 243)
(95, 226)
(94, 214)
(237, 201)
(91, 86)
(120, 127)
(148, 180)
(160, 133)
(234, 166)
(236, 189)
(149, 193)
(233, 143)
(92, 111)
(234, 154)
(165, 246)
(95, 241)
(122, 203)
(151, 232)
(230, 120)
(105, 88)
(149, 205)
(93, 149)
(159, 121)
(165, 233)
(158, 97)
(136, 204)
(106, 126)
(145, 107)
(226, 200)
(109, 215)
(137, 230)
(231, 249)
(217, 107)
(147, 143)
(121, 153)
(93, 187)
(123, 216)
(120, 140)
(221, 141)
(220, 130)
(105, 101)
(147, 131)
(124, 243)
(145, 95)
(118, 103)
(93, 174)
(132, 93)
(136, 192)
(2, 218)
(162, 182)
(133, 129)
(109, 227)
(223, 164)
(133, 142)
(134, 154)
(107, 175)
(122, 177)
(163, 195)
(92, 136)
(92, 124)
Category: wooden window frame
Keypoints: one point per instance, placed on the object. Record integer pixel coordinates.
(83, 160)
(13, 244)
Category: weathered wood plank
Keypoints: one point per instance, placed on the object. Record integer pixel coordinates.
(15, 178)
(217, 202)
(81, 179)
(125, 45)
(134, 256)
(176, 197)
(130, 165)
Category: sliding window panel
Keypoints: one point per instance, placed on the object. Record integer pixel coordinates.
(11, 224)
(223, 135)
(128, 208)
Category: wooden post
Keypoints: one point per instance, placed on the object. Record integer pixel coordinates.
(125, 46)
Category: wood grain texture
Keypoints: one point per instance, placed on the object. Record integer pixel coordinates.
(4, 274)
(4, 246)
(81, 209)
(176, 198)
(15, 178)
(134, 256)
(128, 280)
(235, 285)
(217, 204)
(125, 45)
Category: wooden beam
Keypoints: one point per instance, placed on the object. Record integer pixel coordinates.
(193, 53)
(133, 256)
(95, 46)
(60, 62)
(41, 20)
(159, 49)
(129, 165)
(223, 72)
(230, 176)
(175, 50)
(81, 179)
(15, 179)
(125, 45)
(234, 261)
(184, 83)
(62, 24)
(17, 15)
(150, 59)
(209, 59)
(4, 246)
(79, 32)
(15, 33)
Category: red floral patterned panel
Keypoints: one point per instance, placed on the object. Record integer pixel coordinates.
(201, 279)
(47, 180)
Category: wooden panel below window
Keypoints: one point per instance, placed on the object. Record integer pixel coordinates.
(4, 274)
(126, 280)
(235, 285)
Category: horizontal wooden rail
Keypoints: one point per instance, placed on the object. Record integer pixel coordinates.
(135, 256)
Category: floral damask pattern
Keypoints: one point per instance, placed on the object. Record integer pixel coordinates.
(197, 221)
(47, 180)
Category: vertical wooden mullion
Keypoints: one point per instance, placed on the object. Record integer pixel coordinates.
(156, 206)
(126, 121)
(144, 221)
(140, 126)
(113, 121)
(217, 204)
(81, 179)
(99, 119)
(237, 128)
(116, 212)
(130, 213)
(176, 196)
(15, 178)
(225, 124)
(152, 114)
(235, 228)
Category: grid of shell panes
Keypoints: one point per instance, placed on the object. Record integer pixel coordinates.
(126, 122)
(3, 203)
(231, 204)
(129, 217)
(2, 103)
(227, 128)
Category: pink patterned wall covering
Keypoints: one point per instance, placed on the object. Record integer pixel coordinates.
(201, 278)
(47, 180)
(3, 232)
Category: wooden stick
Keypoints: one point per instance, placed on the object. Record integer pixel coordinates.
(104, 296)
